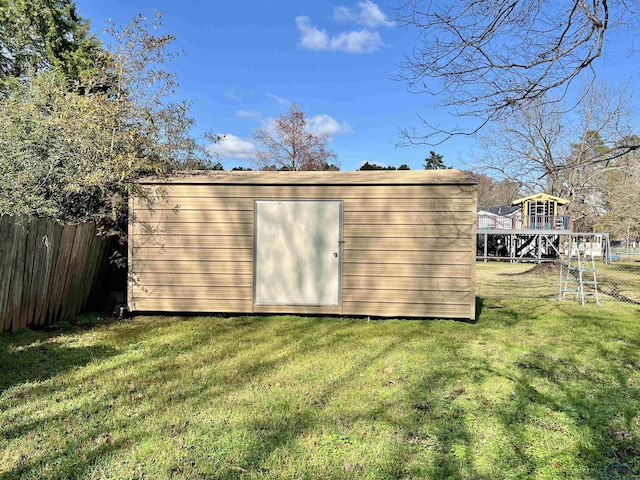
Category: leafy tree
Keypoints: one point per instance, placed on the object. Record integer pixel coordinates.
(287, 144)
(434, 162)
(374, 166)
(330, 167)
(38, 35)
(485, 59)
(70, 154)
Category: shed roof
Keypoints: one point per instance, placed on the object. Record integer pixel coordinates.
(541, 196)
(392, 177)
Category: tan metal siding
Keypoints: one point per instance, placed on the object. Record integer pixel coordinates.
(198, 267)
(413, 177)
(177, 194)
(184, 279)
(391, 309)
(408, 231)
(441, 284)
(472, 263)
(193, 305)
(193, 253)
(409, 249)
(298, 309)
(392, 270)
(194, 241)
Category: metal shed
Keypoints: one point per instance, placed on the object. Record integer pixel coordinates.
(380, 243)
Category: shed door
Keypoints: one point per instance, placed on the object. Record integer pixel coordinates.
(297, 252)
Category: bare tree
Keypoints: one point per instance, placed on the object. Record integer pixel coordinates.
(526, 149)
(486, 59)
(494, 193)
(287, 144)
(547, 148)
(622, 196)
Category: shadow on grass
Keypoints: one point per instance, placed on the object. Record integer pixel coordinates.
(284, 433)
(602, 405)
(558, 389)
(249, 363)
(625, 267)
(479, 306)
(35, 356)
(67, 462)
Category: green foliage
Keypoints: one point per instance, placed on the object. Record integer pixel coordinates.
(37, 36)
(535, 389)
(375, 166)
(68, 150)
(330, 167)
(434, 162)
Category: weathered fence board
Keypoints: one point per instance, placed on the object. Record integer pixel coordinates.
(51, 281)
(47, 270)
(5, 268)
(61, 271)
(15, 288)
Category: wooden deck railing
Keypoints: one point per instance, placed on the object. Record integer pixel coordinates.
(529, 222)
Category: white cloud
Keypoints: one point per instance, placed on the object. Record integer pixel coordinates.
(344, 14)
(360, 41)
(355, 41)
(310, 36)
(237, 94)
(248, 114)
(324, 124)
(233, 147)
(370, 15)
(278, 99)
(318, 125)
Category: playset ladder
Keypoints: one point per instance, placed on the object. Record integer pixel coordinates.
(581, 276)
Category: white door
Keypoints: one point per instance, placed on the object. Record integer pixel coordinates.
(297, 252)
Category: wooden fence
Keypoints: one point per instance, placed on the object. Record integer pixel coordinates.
(47, 270)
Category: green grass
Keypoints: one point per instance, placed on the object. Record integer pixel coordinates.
(619, 281)
(533, 389)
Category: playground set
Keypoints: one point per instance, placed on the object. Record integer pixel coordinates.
(533, 229)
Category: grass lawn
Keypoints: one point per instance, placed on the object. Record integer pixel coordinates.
(534, 389)
(619, 281)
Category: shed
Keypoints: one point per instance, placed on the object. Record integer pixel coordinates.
(379, 243)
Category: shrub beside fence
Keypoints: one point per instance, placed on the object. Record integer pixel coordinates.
(47, 270)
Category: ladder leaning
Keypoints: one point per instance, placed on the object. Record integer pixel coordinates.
(580, 277)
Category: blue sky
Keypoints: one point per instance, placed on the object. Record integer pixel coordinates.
(244, 62)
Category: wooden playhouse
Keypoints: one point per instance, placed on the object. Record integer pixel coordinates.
(381, 243)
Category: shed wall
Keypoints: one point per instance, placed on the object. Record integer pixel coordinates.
(409, 250)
